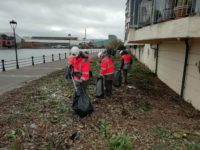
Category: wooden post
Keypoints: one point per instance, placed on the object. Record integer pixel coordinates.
(32, 60)
(59, 56)
(3, 65)
(52, 58)
(44, 59)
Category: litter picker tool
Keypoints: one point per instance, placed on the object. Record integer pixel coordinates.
(74, 131)
(74, 83)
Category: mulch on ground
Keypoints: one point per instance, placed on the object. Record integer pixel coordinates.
(146, 113)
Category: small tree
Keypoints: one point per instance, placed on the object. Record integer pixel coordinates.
(115, 44)
(121, 47)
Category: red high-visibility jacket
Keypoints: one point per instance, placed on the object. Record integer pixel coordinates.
(70, 60)
(107, 66)
(81, 69)
(125, 61)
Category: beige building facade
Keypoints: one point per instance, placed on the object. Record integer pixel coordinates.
(171, 49)
(170, 66)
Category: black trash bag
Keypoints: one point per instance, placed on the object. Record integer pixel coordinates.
(82, 104)
(99, 88)
(117, 81)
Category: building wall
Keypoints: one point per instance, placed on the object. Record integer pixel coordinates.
(171, 63)
(192, 87)
(1, 43)
(148, 57)
(171, 58)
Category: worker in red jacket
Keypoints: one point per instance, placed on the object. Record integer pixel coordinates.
(70, 61)
(107, 71)
(81, 71)
(125, 64)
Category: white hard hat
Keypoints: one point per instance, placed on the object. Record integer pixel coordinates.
(99, 54)
(74, 51)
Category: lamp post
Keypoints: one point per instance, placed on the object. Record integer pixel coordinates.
(13, 25)
(69, 36)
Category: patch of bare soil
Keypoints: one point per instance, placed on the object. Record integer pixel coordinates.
(146, 114)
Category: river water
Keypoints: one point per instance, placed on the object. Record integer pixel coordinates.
(9, 54)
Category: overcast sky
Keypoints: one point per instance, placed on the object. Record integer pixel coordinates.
(60, 17)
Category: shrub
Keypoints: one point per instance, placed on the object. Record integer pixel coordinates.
(104, 127)
(144, 106)
(120, 141)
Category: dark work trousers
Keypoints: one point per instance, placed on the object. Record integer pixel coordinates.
(81, 86)
(125, 76)
(108, 79)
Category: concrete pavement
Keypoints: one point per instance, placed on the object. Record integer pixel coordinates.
(12, 79)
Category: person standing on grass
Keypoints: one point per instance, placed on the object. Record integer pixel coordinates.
(87, 55)
(81, 72)
(70, 61)
(107, 70)
(125, 64)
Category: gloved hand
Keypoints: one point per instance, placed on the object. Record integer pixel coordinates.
(71, 67)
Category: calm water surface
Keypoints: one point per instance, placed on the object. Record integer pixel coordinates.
(9, 54)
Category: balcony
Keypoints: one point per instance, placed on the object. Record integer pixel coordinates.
(166, 20)
(156, 11)
(179, 29)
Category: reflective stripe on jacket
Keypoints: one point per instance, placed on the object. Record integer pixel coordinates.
(85, 69)
(107, 66)
(81, 69)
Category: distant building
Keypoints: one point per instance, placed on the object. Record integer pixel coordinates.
(103, 42)
(112, 37)
(7, 40)
(1, 42)
(52, 42)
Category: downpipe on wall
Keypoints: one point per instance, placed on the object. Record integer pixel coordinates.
(187, 49)
(156, 49)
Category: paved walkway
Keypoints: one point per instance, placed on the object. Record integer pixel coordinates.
(12, 79)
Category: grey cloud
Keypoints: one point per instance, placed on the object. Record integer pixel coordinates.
(59, 17)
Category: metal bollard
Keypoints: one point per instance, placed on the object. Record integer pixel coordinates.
(3, 65)
(32, 61)
(52, 57)
(59, 56)
(44, 59)
(65, 55)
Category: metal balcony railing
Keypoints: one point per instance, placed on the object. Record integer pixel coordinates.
(155, 11)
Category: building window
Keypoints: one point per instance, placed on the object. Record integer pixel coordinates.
(163, 10)
(197, 8)
(145, 12)
(184, 8)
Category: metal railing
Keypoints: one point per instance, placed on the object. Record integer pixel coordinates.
(155, 11)
(32, 61)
